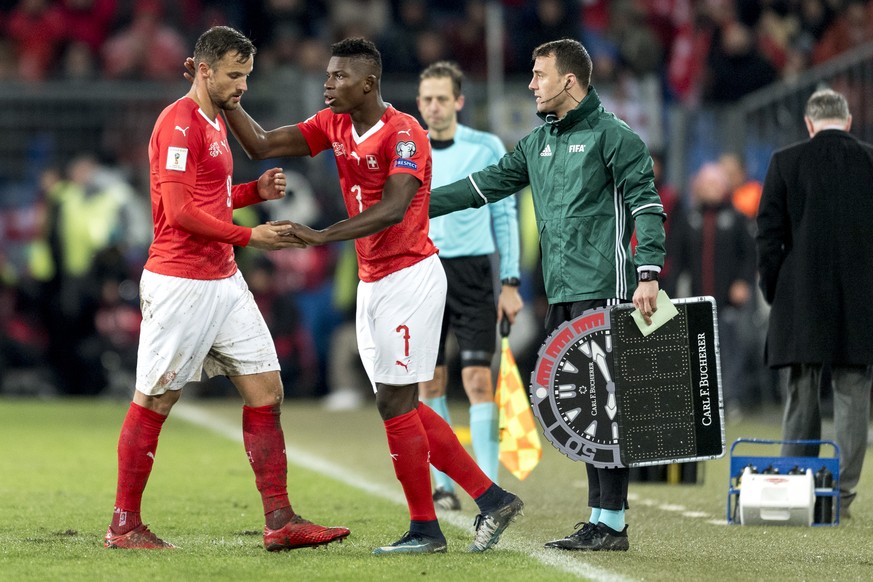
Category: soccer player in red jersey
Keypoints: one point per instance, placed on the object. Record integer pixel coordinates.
(384, 163)
(198, 313)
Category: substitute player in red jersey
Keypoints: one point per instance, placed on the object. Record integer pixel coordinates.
(198, 313)
(383, 158)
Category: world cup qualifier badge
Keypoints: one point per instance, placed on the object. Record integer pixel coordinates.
(607, 395)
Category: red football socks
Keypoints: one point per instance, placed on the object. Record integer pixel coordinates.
(449, 456)
(265, 446)
(408, 445)
(137, 445)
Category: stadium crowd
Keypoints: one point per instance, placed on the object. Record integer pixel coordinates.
(70, 262)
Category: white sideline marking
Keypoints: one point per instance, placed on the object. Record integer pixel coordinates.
(306, 460)
(680, 509)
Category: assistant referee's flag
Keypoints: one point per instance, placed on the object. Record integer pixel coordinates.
(520, 447)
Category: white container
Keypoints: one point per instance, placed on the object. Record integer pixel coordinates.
(776, 499)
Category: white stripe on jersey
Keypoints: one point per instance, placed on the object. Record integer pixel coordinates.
(478, 191)
(644, 206)
(620, 255)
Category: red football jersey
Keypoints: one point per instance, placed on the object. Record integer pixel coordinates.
(396, 144)
(189, 148)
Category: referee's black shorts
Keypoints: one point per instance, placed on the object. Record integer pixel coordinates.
(471, 311)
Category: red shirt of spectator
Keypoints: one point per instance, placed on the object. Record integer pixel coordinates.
(37, 30)
(147, 48)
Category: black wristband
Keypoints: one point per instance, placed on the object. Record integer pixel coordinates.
(510, 282)
(647, 275)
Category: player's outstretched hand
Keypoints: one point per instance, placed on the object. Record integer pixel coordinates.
(271, 184)
(189, 69)
(272, 237)
(301, 232)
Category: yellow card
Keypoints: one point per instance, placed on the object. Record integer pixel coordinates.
(665, 312)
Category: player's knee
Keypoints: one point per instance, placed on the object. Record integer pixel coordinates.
(394, 401)
(477, 384)
(160, 403)
(431, 389)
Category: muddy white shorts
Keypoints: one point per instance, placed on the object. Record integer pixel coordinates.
(398, 321)
(192, 325)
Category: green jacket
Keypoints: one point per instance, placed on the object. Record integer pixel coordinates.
(592, 183)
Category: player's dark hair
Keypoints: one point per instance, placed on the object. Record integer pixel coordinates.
(827, 104)
(359, 48)
(570, 57)
(219, 41)
(445, 69)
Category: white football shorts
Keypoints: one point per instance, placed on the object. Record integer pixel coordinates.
(191, 325)
(399, 318)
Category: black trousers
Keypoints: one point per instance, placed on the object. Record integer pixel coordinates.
(607, 488)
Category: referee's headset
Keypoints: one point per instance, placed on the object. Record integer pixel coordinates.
(556, 95)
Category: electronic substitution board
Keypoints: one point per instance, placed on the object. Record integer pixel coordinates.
(607, 395)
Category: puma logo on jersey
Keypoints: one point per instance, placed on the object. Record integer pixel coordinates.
(402, 365)
(547, 151)
(408, 132)
(356, 156)
(184, 131)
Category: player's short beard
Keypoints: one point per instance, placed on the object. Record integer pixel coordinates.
(225, 104)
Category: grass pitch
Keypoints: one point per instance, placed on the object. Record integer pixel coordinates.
(57, 481)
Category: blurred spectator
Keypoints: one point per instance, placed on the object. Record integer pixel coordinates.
(690, 37)
(294, 344)
(348, 385)
(8, 61)
(302, 18)
(398, 43)
(736, 67)
(117, 318)
(746, 191)
(367, 18)
(146, 48)
(634, 99)
(304, 286)
(78, 63)
(93, 218)
(466, 36)
(37, 30)
(712, 248)
(542, 21)
(852, 27)
(430, 47)
(775, 29)
(815, 18)
(639, 46)
(23, 339)
(88, 21)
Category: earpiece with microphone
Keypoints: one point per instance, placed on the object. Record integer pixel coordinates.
(566, 86)
(564, 90)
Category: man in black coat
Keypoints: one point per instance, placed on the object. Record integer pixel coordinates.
(815, 260)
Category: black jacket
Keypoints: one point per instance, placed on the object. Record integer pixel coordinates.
(815, 251)
(727, 253)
